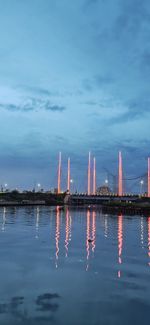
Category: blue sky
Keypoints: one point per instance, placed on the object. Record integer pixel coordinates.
(74, 77)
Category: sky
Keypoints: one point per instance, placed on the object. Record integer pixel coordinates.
(74, 77)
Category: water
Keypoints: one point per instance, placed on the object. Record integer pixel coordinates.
(51, 274)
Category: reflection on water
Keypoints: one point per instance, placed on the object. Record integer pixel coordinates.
(106, 225)
(44, 306)
(88, 237)
(4, 219)
(90, 220)
(70, 274)
(142, 231)
(37, 222)
(120, 241)
(149, 238)
(93, 231)
(68, 231)
(57, 233)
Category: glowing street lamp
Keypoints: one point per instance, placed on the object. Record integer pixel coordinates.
(71, 183)
(141, 185)
(39, 186)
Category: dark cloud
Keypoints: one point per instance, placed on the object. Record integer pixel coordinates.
(33, 105)
(145, 59)
(97, 81)
(54, 108)
(90, 103)
(41, 91)
(90, 2)
(103, 80)
(136, 109)
(133, 16)
(87, 85)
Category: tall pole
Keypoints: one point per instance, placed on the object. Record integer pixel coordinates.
(59, 173)
(148, 181)
(68, 177)
(94, 176)
(89, 174)
(120, 187)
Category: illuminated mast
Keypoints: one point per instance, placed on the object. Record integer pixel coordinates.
(59, 174)
(94, 176)
(89, 174)
(120, 188)
(148, 181)
(68, 177)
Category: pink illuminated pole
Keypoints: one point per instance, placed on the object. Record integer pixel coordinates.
(148, 181)
(120, 185)
(68, 176)
(59, 174)
(89, 174)
(94, 176)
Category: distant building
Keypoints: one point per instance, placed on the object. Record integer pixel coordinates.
(103, 190)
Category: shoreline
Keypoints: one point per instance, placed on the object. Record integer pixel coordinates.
(104, 208)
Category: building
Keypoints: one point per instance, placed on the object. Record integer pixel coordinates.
(103, 190)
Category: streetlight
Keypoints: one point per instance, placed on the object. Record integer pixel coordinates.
(39, 186)
(71, 182)
(141, 185)
(5, 185)
(106, 181)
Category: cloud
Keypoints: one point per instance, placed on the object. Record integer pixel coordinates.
(33, 105)
(103, 80)
(41, 91)
(136, 109)
(145, 59)
(90, 2)
(133, 16)
(54, 108)
(97, 81)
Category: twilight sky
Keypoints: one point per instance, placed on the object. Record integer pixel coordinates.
(74, 77)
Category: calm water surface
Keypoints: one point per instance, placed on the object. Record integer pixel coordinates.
(51, 274)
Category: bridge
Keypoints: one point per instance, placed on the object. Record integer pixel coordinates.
(119, 190)
(81, 199)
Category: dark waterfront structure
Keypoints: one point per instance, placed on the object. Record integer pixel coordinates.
(131, 203)
(31, 198)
